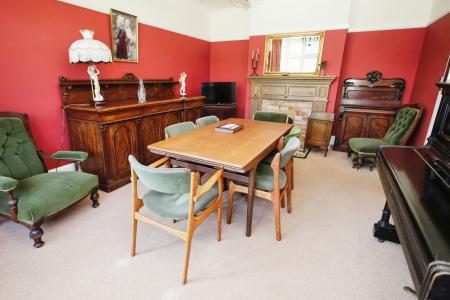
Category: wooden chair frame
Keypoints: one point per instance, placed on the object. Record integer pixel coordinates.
(361, 155)
(193, 220)
(276, 196)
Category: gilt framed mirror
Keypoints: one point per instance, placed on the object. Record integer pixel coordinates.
(297, 54)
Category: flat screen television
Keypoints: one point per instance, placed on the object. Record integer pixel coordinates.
(219, 93)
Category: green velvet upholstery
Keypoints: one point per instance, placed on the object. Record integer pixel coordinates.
(403, 121)
(176, 206)
(18, 156)
(45, 194)
(172, 180)
(70, 155)
(7, 183)
(295, 132)
(288, 151)
(269, 116)
(366, 145)
(179, 128)
(169, 193)
(205, 121)
(265, 178)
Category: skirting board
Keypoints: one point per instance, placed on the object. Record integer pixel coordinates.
(65, 168)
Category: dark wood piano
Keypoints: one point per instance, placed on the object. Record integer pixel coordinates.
(416, 181)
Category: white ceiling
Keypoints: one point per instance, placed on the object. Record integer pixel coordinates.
(214, 4)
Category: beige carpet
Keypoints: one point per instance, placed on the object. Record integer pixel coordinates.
(327, 251)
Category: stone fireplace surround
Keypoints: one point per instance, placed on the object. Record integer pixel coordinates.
(297, 96)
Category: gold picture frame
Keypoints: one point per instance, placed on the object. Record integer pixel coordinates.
(268, 39)
(124, 37)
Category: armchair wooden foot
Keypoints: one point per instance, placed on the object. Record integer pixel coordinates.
(36, 234)
(94, 198)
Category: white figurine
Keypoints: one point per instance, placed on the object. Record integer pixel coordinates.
(93, 73)
(182, 80)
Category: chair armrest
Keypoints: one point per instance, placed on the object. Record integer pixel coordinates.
(70, 155)
(217, 177)
(7, 183)
(159, 162)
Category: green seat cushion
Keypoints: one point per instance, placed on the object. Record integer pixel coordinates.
(269, 116)
(264, 178)
(366, 145)
(44, 194)
(176, 206)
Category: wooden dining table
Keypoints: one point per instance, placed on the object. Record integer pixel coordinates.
(205, 150)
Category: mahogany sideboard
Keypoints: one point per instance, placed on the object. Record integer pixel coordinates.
(122, 126)
(368, 107)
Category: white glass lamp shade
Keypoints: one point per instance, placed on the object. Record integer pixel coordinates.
(89, 50)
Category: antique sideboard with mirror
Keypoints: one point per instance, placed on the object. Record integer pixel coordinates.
(368, 107)
(122, 126)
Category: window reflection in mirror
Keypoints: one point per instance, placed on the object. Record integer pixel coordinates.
(298, 54)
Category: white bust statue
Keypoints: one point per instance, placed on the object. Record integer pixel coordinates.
(182, 80)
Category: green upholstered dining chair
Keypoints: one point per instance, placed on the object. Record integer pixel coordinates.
(205, 121)
(179, 128)
(28, 194)
(269, 116)
(175, 193)
(272, 183)
(365, 149)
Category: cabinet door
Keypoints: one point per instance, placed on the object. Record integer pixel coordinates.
(377, 125)
(192, 114)
(122, 141)
(150, 129)
(318, 133)
(352, 126)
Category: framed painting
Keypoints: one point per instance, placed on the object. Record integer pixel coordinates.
(446, 77)
(124, 36)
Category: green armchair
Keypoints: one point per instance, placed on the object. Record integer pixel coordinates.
(206, 121)
(28, 194)
(365, 149)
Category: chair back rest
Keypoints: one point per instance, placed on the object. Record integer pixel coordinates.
(205, 121)
(18, 155)
(404, 125)
(288, 151)
(163, 180)
(270, 116)
(179, 128)
(295, 132)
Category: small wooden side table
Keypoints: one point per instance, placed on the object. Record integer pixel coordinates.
(318, 132)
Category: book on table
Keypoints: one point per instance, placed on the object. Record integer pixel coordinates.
(229, 128)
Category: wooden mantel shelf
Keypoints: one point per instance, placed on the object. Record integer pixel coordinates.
(294, 78)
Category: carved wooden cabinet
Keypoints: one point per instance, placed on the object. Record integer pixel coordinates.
(318, 133)
(121, 127)
(368, 107)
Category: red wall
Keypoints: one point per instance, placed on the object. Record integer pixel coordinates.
(228, 62)
(35, 54)
(435, 52)
(395, 53)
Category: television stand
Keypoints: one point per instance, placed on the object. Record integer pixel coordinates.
(222, 111)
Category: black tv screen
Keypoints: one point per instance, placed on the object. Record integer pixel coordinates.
(219, 92)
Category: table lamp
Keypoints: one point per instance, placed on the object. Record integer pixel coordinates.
(88, 50)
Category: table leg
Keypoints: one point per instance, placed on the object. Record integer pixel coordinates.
(251, 197)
